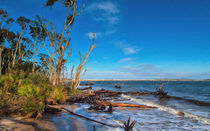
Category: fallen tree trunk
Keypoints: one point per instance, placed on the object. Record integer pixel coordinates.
(87, 88)
(117, 93)
(117, 104)
(73, 113)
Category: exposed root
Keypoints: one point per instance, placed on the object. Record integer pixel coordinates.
(128, 126)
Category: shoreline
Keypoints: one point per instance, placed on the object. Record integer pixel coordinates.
(141, 80)
(65, 121)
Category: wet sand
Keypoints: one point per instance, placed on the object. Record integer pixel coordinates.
(50, 122)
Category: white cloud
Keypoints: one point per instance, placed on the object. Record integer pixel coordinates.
(91, 35)
(104, 11)
(100, 34)
(144, 71)
(107, 7)
(109, 32)
(141, 68)
(126, 59)
(130, 51)
(127, 49)
(134, 74)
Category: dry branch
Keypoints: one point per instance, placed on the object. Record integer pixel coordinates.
(117, 104)
(73, 113)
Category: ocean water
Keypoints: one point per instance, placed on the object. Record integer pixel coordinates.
(190, 97)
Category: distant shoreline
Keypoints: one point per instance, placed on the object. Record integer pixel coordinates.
(143, 80)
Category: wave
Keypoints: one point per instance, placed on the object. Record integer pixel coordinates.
(194, 101)
(170, 110)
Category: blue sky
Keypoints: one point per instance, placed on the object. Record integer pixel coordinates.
(138, 39)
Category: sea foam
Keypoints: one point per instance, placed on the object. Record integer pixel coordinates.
(170, 110)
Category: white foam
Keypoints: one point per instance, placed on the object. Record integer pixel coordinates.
(168, 109)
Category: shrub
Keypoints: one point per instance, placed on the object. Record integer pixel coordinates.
(72, 92)
(8, 84)
(35, 95)
(57, 94)
(7, 89)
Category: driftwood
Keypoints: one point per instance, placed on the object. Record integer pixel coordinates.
(118, 92)
(87, 88)
(97, 107)
(87, 84)
(160, 92)
(73, 113)
(117, 104)
(116, 86)
(109, 93)
(101, 107)
(129, 126)
(51, 109)
(98, 100)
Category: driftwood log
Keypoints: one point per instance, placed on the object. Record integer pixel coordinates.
(117, 104)
(87, 88)
(117, 93)
(59, 107)
(100, 99)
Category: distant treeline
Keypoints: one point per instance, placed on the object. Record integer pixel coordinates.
(145, 80)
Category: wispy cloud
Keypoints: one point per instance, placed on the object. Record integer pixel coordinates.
(105, 11)
(106, 6)
(109, 74)
(126, 59)
(144, 71)
(91, 35)
(141, 68)
(127, 49)
(100, 34)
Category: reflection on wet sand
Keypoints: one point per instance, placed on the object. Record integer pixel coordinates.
(15, 124)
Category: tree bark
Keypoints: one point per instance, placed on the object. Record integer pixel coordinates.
(1, 50)
(117, 104)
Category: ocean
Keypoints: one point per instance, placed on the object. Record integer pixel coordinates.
(190, 97)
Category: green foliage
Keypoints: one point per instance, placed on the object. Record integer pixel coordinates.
(7, 82)
(32, 106)
(35, 89)
(57, 93)
(31, 91)
(72, 92)
(7, 89)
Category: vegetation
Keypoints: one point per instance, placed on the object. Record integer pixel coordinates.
(29, 78)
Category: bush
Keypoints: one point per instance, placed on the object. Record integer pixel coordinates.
(57, 94)
(72, 92)
(28, 93)
(8, 84)
(7, 89)
(35, 89)
(32, 106)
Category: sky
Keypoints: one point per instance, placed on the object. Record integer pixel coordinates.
(137, 39)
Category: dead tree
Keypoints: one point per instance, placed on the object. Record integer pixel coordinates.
(62, 46)
(129, 126)
(80, 71)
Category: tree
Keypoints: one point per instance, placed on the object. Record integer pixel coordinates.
(38, 33)
(60, 43)
(44, 64)
(80, 72)
(23, 43)
(5, 21)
